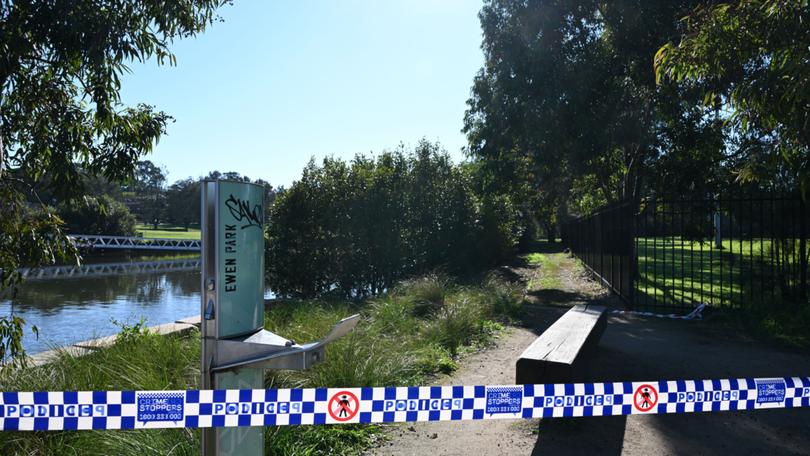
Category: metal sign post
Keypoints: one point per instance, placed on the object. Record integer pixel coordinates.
(236, 349)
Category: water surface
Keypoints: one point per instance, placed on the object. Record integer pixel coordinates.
(71, 304)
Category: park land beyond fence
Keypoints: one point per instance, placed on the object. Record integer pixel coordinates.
(747, 252)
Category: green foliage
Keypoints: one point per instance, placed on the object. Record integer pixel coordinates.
(392, 346)
(584, 200)
(501, 298)
(183, 203)
(549, 274)
(150, 196)
(426, 294)
(355, 229)
(458, 322)
(11, 334)
(565, 111)
(61, 115)
(27, 237)
(150, 362)
(129, 334)
(502, 225)
(98, 215)
(749, 59)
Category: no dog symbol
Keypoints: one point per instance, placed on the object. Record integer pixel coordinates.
(645, 398)
(343, 406)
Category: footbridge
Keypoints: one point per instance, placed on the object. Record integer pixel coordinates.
(109, 269)
(101, 242)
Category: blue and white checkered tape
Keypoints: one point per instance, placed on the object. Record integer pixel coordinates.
(56, 411)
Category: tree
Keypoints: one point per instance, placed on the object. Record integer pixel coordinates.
(566, 96)
(98, 215)
(750, 59)
(149, 193)
(183, 203)
(356, 228)
(269, 191)
(60, 109)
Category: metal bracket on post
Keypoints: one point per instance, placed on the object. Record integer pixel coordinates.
(267, 350)
(236, 349)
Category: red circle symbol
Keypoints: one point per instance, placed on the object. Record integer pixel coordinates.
(343, 406)
(645, 398)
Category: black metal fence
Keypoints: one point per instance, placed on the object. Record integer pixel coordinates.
(741, 252)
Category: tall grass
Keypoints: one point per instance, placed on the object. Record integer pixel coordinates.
(146, 362)
(404, 337)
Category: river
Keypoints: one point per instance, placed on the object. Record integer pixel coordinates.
(71, 304)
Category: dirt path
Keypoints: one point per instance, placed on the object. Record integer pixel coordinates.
(495, 365)
(632, 348)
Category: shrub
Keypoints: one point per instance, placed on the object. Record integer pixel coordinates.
(426, 293)
(358, 228)
(98, 215)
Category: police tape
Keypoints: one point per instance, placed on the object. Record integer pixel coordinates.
(695, 314)
(57, 411)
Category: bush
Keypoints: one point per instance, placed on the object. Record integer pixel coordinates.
(426, 293)
(98, 215)
(356, 229)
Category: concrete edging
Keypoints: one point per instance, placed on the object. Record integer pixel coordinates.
(181, 327)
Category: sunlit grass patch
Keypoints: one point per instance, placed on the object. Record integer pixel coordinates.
(167, 232)
(548, 275)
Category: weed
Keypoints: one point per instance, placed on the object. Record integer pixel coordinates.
(129, 334)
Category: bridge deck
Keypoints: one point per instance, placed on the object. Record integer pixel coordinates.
(134, 243)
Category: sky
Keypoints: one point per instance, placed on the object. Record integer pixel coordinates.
(279, 82)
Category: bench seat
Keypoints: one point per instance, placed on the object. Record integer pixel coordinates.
(559, 354)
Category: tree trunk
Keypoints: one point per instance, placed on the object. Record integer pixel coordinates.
(2, 155)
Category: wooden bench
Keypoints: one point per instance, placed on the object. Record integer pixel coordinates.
(559, 354)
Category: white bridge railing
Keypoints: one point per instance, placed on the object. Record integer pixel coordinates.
(134, 243)
(104, 269)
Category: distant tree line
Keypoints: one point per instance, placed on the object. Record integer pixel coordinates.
(178, 204)
(116, 208)
(357, 228)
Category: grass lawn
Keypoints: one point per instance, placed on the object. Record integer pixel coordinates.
(743, 273)
(404, 337)
(167, 232)
(759, 277)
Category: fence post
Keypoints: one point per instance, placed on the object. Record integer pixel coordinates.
(634, 213)
(802, 249)
(718, 237)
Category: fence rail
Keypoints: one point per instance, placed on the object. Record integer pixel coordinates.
(107, 269)
(659, 253)
(135, 243)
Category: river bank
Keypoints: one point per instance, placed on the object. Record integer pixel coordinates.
(71, 304)
(421, 329)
